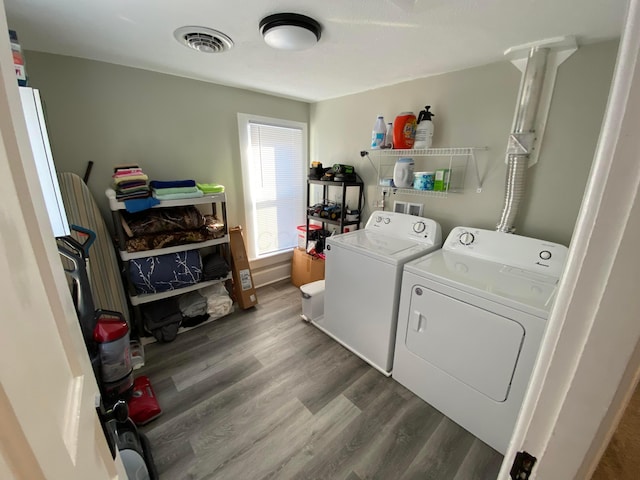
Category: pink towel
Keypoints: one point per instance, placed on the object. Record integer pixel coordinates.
(130, 171)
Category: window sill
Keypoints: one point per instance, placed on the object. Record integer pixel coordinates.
(270, 260)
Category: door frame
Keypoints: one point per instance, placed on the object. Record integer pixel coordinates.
(41, 348)
(589, 362)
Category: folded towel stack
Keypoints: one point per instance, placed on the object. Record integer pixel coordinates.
(209, 188)
(176, 189)
(130, 182)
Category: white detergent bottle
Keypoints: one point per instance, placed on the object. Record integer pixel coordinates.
(424, 130)
(403, 172)
(378, 133)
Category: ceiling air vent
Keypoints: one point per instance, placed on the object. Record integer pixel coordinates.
(203, 39)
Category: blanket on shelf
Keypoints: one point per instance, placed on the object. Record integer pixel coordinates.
(164, 240)
(161, 273)
(162, 220)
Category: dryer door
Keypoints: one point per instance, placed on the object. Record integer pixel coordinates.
(475, 346)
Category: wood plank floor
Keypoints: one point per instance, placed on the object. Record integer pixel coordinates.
(260, 394)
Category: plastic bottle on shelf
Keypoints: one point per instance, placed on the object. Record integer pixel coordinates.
(404, 130)
(403, 172)
(424, 130)
(378, 133)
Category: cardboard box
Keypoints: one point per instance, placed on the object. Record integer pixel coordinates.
(306, 268)
(243, 286)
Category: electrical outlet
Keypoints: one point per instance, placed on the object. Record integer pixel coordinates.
(400, 207)
(415, 209)
(378, 204)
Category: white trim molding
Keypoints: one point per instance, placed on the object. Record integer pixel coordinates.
(587, 365)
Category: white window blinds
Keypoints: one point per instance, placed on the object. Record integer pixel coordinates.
(274, 176)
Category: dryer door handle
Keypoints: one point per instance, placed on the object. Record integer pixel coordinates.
(418, 321)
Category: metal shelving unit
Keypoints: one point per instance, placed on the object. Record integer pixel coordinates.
(216, 201)
(459, 159)
(340, 222)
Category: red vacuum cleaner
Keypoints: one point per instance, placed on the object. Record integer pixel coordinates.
(111, 334)
(106, 335)
(143, 405)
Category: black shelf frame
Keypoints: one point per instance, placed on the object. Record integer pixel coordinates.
(341, 222)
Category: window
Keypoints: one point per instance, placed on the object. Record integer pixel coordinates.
(274, 169)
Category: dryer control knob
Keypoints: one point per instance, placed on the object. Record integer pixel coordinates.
(378, 219)
(545, 254)
(419, 227)
(466, 238)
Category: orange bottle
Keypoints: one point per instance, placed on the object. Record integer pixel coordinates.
(404, 130)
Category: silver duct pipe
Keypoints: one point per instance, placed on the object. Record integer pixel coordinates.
(522, 138)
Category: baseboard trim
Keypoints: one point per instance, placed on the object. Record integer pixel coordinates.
(268, 275)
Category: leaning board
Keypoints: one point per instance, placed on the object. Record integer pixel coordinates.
(82, 210)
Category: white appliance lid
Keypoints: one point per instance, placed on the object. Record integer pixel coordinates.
(511, 286)
(383, 247)
(382, 244)
(531, 254)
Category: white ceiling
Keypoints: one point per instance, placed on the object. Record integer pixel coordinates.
(365, 44)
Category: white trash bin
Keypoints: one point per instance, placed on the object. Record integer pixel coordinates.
(312, 300)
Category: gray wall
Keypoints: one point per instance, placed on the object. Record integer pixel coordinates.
(181, 128)
(174, 127)
(475, 107)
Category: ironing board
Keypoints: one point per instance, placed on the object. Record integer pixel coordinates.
(82, 210)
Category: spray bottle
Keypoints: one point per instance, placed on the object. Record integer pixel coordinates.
(424, 130)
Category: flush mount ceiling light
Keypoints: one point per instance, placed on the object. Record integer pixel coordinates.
(290, 31)
(202, 39)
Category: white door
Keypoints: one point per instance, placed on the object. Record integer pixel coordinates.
(475, 346)
(47, 395)
(589, 362)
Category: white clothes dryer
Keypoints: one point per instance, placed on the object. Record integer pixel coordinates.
(470, 322)
(363, 271)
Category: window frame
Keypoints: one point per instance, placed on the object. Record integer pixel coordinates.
(244, 121)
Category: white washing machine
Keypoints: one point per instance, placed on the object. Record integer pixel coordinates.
(470, 322)
(363, 271)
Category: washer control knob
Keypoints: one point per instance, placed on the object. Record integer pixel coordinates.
(545, 254)
(378, 219)
(419, 227)
(387, 220)
(466, 238)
